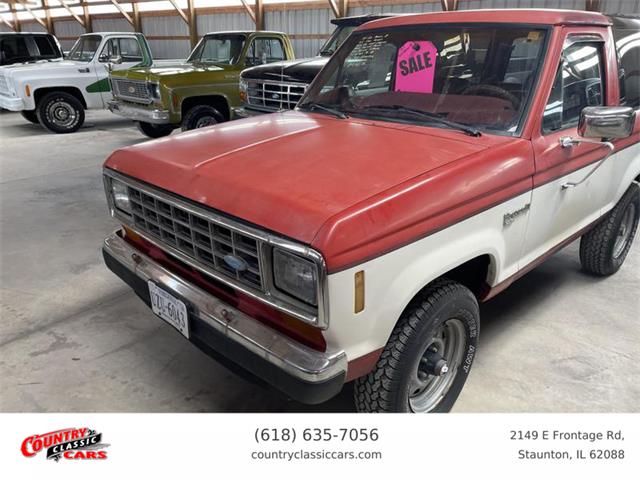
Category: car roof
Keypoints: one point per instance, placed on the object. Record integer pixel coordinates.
(24, 33)
(244, 32)
(360, 19)
(528, 16)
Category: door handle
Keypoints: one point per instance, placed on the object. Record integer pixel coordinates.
(83, 70)
(568, 142)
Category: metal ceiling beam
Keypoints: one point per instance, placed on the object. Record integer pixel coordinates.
(136, 18)
(7, 23)
(123, 12)
(449, 5)
(50, 28)
(249, 10)
(88, 20)
(65, 5)
(193, 23)
(35, 17)
(256, 13)
(179, 10)
(16, 23)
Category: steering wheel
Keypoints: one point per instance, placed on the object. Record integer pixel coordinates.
(493, 91)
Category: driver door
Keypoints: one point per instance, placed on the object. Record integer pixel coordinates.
(557, 211)
(128, 49)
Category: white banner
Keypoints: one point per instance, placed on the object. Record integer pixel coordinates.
(529, 446)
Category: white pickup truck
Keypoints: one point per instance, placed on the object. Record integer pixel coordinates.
(56, 93)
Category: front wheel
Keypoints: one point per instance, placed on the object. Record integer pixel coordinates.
(60, 112)
(604, 248)
(201, 116)
(30, 116)
(428, 357)
(152, 130)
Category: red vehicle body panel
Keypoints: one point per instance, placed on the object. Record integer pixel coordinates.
(398, 182)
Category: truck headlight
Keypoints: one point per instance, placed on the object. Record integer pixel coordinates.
(154, 90)
(244, 87)
(120, 195)
(296, 276)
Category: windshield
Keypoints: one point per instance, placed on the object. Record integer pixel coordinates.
(475, 76)
(221, 49)
(337, 38)
(85, 48)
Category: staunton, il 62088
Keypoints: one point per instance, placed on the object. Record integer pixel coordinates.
(433, 161)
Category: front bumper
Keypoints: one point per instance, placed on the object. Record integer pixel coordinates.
(14, 104)
(229, 335)
(139, 113)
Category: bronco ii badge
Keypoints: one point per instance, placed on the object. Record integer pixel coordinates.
(236, 263)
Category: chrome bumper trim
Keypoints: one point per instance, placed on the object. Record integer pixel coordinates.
(15, 104)
(141, 113)
(294, 358)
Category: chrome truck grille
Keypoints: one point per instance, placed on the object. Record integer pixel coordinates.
(130, 90)
(215, 245)
(4, 88)
(274, 95)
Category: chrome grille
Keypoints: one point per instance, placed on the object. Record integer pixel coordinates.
(4, 88)
(131, 90)
(197, 237)
(274, 95)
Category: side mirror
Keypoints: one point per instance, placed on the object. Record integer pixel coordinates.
(606, 122)
(115, 59)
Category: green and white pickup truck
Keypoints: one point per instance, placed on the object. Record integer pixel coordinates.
(56, 93)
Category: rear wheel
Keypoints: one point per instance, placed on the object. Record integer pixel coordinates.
(152, 130)
(30, 116)
(201, 116)
(604, 248)
(60, 112)
(429, 355)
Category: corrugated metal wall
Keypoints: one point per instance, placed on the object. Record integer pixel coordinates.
(309, 27)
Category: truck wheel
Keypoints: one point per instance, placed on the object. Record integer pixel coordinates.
(201, 116)
(152, 130)
(604, 248)
(429, 355)
(60, 112)
(30, 116)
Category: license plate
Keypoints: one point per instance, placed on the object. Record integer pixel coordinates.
(169, 308)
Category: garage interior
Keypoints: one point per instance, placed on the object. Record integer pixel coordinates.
(74, 337)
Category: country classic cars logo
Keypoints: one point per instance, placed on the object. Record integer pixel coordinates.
(70, 443)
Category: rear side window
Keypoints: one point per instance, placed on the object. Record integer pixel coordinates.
(578, 84)
(628, 50)
(14, 49)
(46, 46)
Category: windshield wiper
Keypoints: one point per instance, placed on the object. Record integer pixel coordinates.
(324, 108)
(468, 129)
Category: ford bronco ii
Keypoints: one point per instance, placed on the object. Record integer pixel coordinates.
(199, 92)
(434, 160)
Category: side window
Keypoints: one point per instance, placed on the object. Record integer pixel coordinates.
(14, 49)
(127, 48)
(578, 84)
(265, 50)
(45, 46)
(130, 50)
(628, 49)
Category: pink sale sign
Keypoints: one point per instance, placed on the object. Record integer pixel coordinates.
(415, 67)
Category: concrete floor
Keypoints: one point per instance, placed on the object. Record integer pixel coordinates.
(73, 337)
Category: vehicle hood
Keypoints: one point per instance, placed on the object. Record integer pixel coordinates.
(166, 71)
(41, 68)
(302, 70)
(292, 172)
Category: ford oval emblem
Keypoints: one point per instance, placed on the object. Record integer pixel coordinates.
(236, 263)
(275, 96)
(132, 90)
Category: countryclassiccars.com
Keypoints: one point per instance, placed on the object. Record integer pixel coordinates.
(433, 161)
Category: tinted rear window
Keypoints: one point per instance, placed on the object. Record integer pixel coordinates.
(628, 48)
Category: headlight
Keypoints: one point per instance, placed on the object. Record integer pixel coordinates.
(296, 276)
(243, 90)
(154, 90)
(120, 195)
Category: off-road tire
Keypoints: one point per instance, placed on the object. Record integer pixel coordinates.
(30, 116)
(386, 388)
(152, 130)
(598, 252)
(52, 105)
(201, 116)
